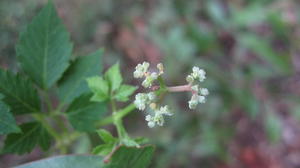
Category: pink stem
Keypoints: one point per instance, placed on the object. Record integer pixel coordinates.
(181, 88)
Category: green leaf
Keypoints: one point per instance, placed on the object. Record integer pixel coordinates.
(114, 77)
(67, 162)
(124, 92)
(106, 136)
(99, 87)
(123, 157)
(44, 48)
(32, 134)
(7, 121)
(82, 113)
(73, 82)
(132, 157)
(103, 149)
(19, 93)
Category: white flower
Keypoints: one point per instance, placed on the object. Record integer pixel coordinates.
(141, 100)
(204, 91)
(159, 119)
(151, 124)
(190, 79)
(150, 120)
(165, 111)
(141, 69)
(201, 99)
(193, 102)
(160, 67)
(151, 96)
(198, 74)
(195, 88)
(150, 79)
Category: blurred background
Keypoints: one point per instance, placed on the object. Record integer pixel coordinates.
(249, 49)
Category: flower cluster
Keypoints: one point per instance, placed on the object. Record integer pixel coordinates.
(198, 93)
(142, 100)
(158, 117)
(198, 96)
(141, 71)
(197, 74)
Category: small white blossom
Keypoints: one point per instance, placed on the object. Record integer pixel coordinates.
(190, 79)
(201, 99)
(195, 88)
(151, 96)
(193, 102)
(198, 74)
(159, 119)
(141, 100)
(204, 91)
(151, 124)
(165, 111)
(141, 69)
(160, 68)
(150, 79)
(150, 120)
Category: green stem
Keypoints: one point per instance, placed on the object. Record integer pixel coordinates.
(117, 118)
(125, 111)
(117, 121)
(120, 114)
(120, 128)
(44, 122)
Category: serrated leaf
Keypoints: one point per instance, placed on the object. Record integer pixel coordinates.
(44, 48)
(32, 134)
(99, 87)
(82, 113)
(132, 157)
(7, 121)
(73, 82)
(106, 136)
(124, 92)
(19, 93)
(123, 157)
(67, 162)
(114, 77)
(103, 149)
